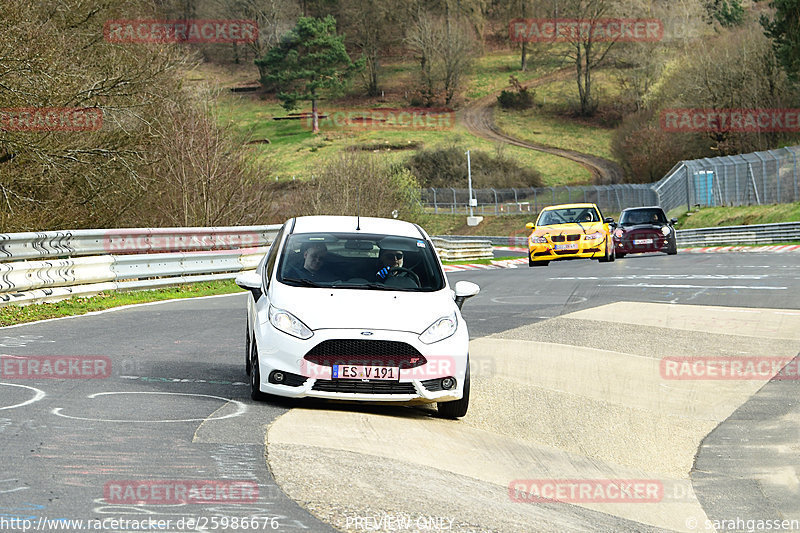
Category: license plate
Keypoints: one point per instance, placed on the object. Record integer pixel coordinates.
(389, 373)
(566, 246)
(643, 241)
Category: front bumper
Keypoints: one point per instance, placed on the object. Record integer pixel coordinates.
(550, 251)
(626, 245)
(421, 384)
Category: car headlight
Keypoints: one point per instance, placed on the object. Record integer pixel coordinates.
(665, 230)
(288, 323)
(594, 236)
(538, 240)
(618, 233)
(440, 330)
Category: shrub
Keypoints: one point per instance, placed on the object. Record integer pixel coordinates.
(355, 182)
(447, 167)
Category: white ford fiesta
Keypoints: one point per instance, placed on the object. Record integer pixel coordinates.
(353, 308)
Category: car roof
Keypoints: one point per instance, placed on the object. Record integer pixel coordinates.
(568, 206)
(347, 224)
(643, 207)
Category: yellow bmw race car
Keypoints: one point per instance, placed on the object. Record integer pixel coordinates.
(570, 231)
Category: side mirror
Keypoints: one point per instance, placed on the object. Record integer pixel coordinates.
(673, 221)
(464, 290)
(250, 281)
(608, 220)
(530, 225)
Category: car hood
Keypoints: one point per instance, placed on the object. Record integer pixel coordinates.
(363, 308)
(569, 229)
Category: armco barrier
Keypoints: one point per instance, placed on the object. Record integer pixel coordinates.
(751, 234)
(47, 244)
(123, 259)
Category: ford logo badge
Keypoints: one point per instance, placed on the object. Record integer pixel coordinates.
(366, 333)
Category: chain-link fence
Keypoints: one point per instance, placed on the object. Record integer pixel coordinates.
(610, 198)
(757, 178)
(769, 177)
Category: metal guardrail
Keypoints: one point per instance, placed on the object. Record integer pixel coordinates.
(751, 234)
(42, 245)
(67, 262)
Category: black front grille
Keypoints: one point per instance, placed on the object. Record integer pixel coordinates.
(574, 237)
(365, 352)
(293, 380)
(557, 238)
(433, 385)
(364, 387)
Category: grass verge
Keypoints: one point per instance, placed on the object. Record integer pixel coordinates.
(708, 217)
(15, 314)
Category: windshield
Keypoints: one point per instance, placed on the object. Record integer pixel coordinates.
(568, 216)
(642, 216)
(359, 261)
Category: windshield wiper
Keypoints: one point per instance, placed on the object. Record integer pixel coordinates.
(306, 282)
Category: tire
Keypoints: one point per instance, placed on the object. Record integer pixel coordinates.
(608, 257)
(255, 378)
(247, 363)
(672, 249)
(456, 408)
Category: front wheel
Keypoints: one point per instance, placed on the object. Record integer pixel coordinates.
(247, 365)
(255, 377)
(456, 408)
(610, 255)
(672, 249)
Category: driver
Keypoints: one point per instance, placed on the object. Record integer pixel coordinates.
(387, 260)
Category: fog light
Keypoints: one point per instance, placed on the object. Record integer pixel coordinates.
(448, 383)
(276, 376)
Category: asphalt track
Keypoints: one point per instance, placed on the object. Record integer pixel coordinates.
(564, 388)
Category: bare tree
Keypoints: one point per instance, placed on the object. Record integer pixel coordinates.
(445, 49)
(206, 180)
(584, 49)
(372, 27)
(355, 182)
(273, 17)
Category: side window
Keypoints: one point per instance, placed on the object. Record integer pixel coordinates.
(272, 255)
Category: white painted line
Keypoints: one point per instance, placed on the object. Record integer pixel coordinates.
(240, 409)
(36, 397)
(666, 286)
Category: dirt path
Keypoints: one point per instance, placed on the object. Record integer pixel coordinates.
(479, 120)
